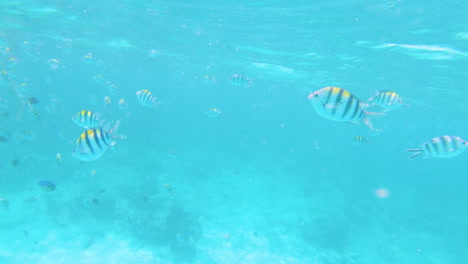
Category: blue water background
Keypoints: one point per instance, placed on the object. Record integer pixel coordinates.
(268, 181)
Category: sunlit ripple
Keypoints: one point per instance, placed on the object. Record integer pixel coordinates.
(428, 52)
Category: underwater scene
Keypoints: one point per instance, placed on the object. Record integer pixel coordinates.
(233, 132)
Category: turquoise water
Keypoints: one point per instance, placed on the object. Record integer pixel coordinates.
(268, 180)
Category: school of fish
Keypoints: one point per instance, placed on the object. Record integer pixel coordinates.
(99, 135)
(337, 104)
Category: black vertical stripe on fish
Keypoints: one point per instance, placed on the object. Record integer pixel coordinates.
(88, 143)
(356, 109)
(428, 148)
(105, 138)
(337, 101)
(108, 139)
(445, 142)
(378, 98)
(79, 143)
(435, 146)
(361, 113)
(348, 106)
(388, 97)
(329, 95)
(90, 119)
(455, 144)
(97, 134)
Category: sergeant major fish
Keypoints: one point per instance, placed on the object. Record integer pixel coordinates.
(86, 119)
(58, 159)
(123, 104)
(337, 104)
(441, 147)
(146, 98)
(92, 143)
(359, 140)
(214, 112)
(27, 134)
(387, 99)
(239, 80)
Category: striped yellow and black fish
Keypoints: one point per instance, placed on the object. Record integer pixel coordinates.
(214, 112)
(387, 99)
(239, 80)
(359, 140)
(123, 105)
(441, 147)
(168, 188)
(107, 104)
(31, 200)
(206, 79)
(98, 78)
(4, 134)
(35, 115)
(337, 104)
(58, 159)
(107, 100)
(146, 98)
(86, 119)
(27, 134)
(18, 138)
(92, 144)
(113, 89)
(88, 58)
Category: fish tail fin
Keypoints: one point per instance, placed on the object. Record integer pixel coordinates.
(102, 122)
(376, 132)
(418, 153)
(373, 93)
(155, 102)
(114, 129)
(369, 117)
